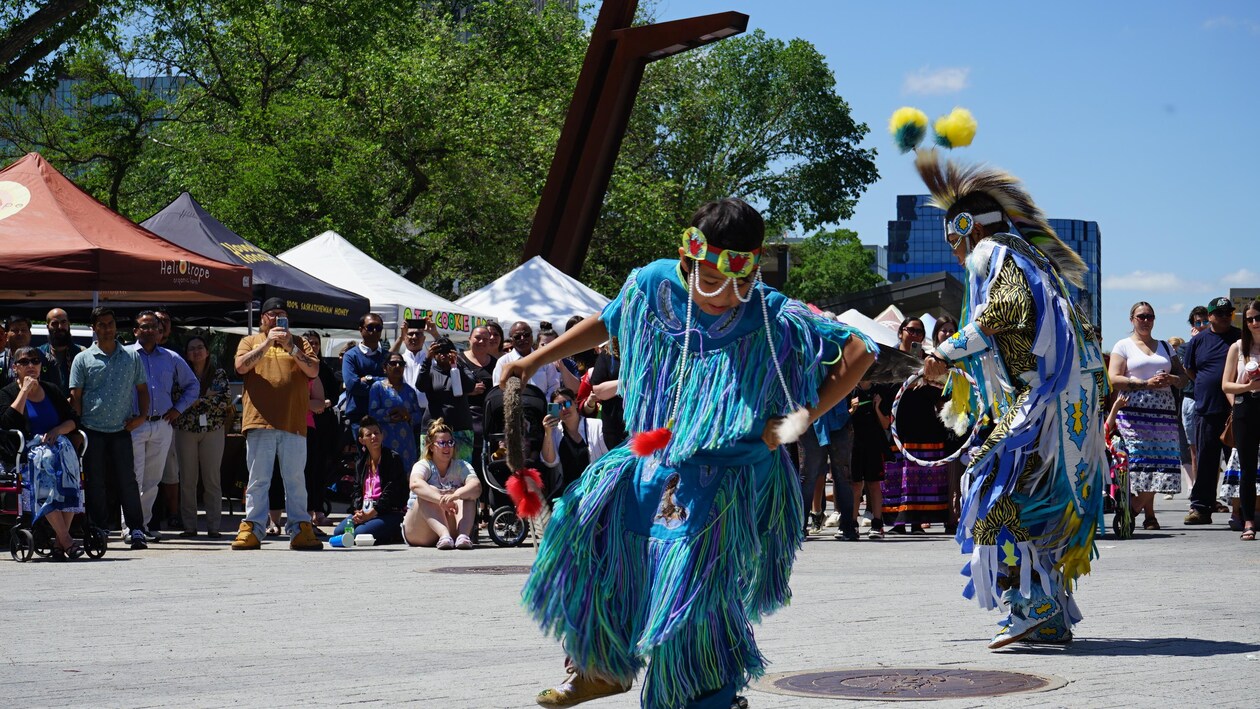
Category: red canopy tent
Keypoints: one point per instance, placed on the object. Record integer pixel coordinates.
(58, 243)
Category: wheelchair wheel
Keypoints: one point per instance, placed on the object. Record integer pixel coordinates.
(506, 528)
(43, 542)
(95, 542)
(21, 544)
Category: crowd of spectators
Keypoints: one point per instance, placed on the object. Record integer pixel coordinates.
(402, 432)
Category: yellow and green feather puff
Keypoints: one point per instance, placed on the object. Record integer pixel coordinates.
(908, 125)
(955, 130)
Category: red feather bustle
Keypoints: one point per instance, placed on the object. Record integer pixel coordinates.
(525, 488)
(648, 442)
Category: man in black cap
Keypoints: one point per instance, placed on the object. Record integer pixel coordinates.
(1205, 363)
(276, 367)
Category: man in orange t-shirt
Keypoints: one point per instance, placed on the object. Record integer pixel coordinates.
(277, 368)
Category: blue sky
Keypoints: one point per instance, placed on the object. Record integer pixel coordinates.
(1141, 116)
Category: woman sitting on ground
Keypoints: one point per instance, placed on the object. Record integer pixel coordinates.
(445, 491)
(42, 413)
(380, 489)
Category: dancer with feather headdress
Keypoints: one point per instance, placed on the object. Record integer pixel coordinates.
(1035, 497)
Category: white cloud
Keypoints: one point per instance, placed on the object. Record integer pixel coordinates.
(1177, 307)
(1152, 282)
(1224, 22)
(1242, 278)
(927, 81)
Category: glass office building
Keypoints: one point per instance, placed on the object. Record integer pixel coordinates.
(916, 247)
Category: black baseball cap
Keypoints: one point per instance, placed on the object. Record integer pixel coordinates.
(1221, 303)
(273, 304)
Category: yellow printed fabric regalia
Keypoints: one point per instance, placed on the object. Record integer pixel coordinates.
(1032, 504)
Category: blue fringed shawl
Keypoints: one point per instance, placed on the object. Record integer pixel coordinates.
(730, 388)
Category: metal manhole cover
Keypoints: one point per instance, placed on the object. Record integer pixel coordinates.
(484, 570)
(906, 683)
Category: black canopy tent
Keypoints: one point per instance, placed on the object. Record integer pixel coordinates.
(309, 301)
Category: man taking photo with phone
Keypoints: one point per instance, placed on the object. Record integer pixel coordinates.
(276, 368)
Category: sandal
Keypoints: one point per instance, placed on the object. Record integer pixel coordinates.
(1248, 535)
(74, 551)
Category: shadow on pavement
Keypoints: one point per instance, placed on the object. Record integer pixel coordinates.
(1168, 647)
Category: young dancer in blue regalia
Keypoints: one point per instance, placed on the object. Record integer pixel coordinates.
(1034, 500)
(671, 546)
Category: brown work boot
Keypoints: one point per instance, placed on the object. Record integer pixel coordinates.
(305, 539)
(578, 688)
(245, 537)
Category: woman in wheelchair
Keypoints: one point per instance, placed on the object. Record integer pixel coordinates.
(42, 413)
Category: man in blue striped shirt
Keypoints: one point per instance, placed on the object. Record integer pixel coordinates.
(172, 389)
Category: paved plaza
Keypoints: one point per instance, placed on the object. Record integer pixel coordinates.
(1170, 621)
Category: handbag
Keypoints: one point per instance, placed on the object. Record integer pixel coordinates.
(1227, 436)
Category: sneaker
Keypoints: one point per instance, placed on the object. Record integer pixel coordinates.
(463, 542)
(446, 544)
(848, 535)
(875, 533)
(305, 539)
(138, 541)
(245, 537)
(151, 535)
(214, 534)
(833, 520)
(1198, 517)
(188, 533)
(578, 688)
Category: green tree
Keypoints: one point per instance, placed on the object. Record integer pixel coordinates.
(830, 263)
(750, 117)
(36, 38)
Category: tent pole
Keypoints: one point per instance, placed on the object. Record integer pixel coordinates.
(249, 317)
(96, 299)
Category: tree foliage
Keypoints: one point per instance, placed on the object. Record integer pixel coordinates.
(424, 135)
(37, 38)
(830, 263)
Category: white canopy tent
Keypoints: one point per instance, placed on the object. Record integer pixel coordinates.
(533, 292)
(332, 259)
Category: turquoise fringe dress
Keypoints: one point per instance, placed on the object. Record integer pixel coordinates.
(673, 557)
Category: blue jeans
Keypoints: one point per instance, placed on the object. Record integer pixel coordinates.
(386, 528)
(262, 447)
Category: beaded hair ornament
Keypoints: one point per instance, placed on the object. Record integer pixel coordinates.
(734, 265)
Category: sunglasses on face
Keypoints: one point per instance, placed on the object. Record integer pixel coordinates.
(444, 444)
(916, 331)
(1201, 323)
(564, 405)
(394, 363)
(1144, 317)
(372, 328)
(1249, 319)
(27, 362)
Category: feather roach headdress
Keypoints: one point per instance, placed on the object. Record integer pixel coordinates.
(951, 182)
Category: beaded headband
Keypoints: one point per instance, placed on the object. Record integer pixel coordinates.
(728, 262)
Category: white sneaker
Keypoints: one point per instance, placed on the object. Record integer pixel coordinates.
(833, 520)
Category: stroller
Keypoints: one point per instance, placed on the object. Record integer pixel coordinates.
(505, 526)
(31, 535)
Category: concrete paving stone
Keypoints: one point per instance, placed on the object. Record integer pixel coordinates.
(1170, 619)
